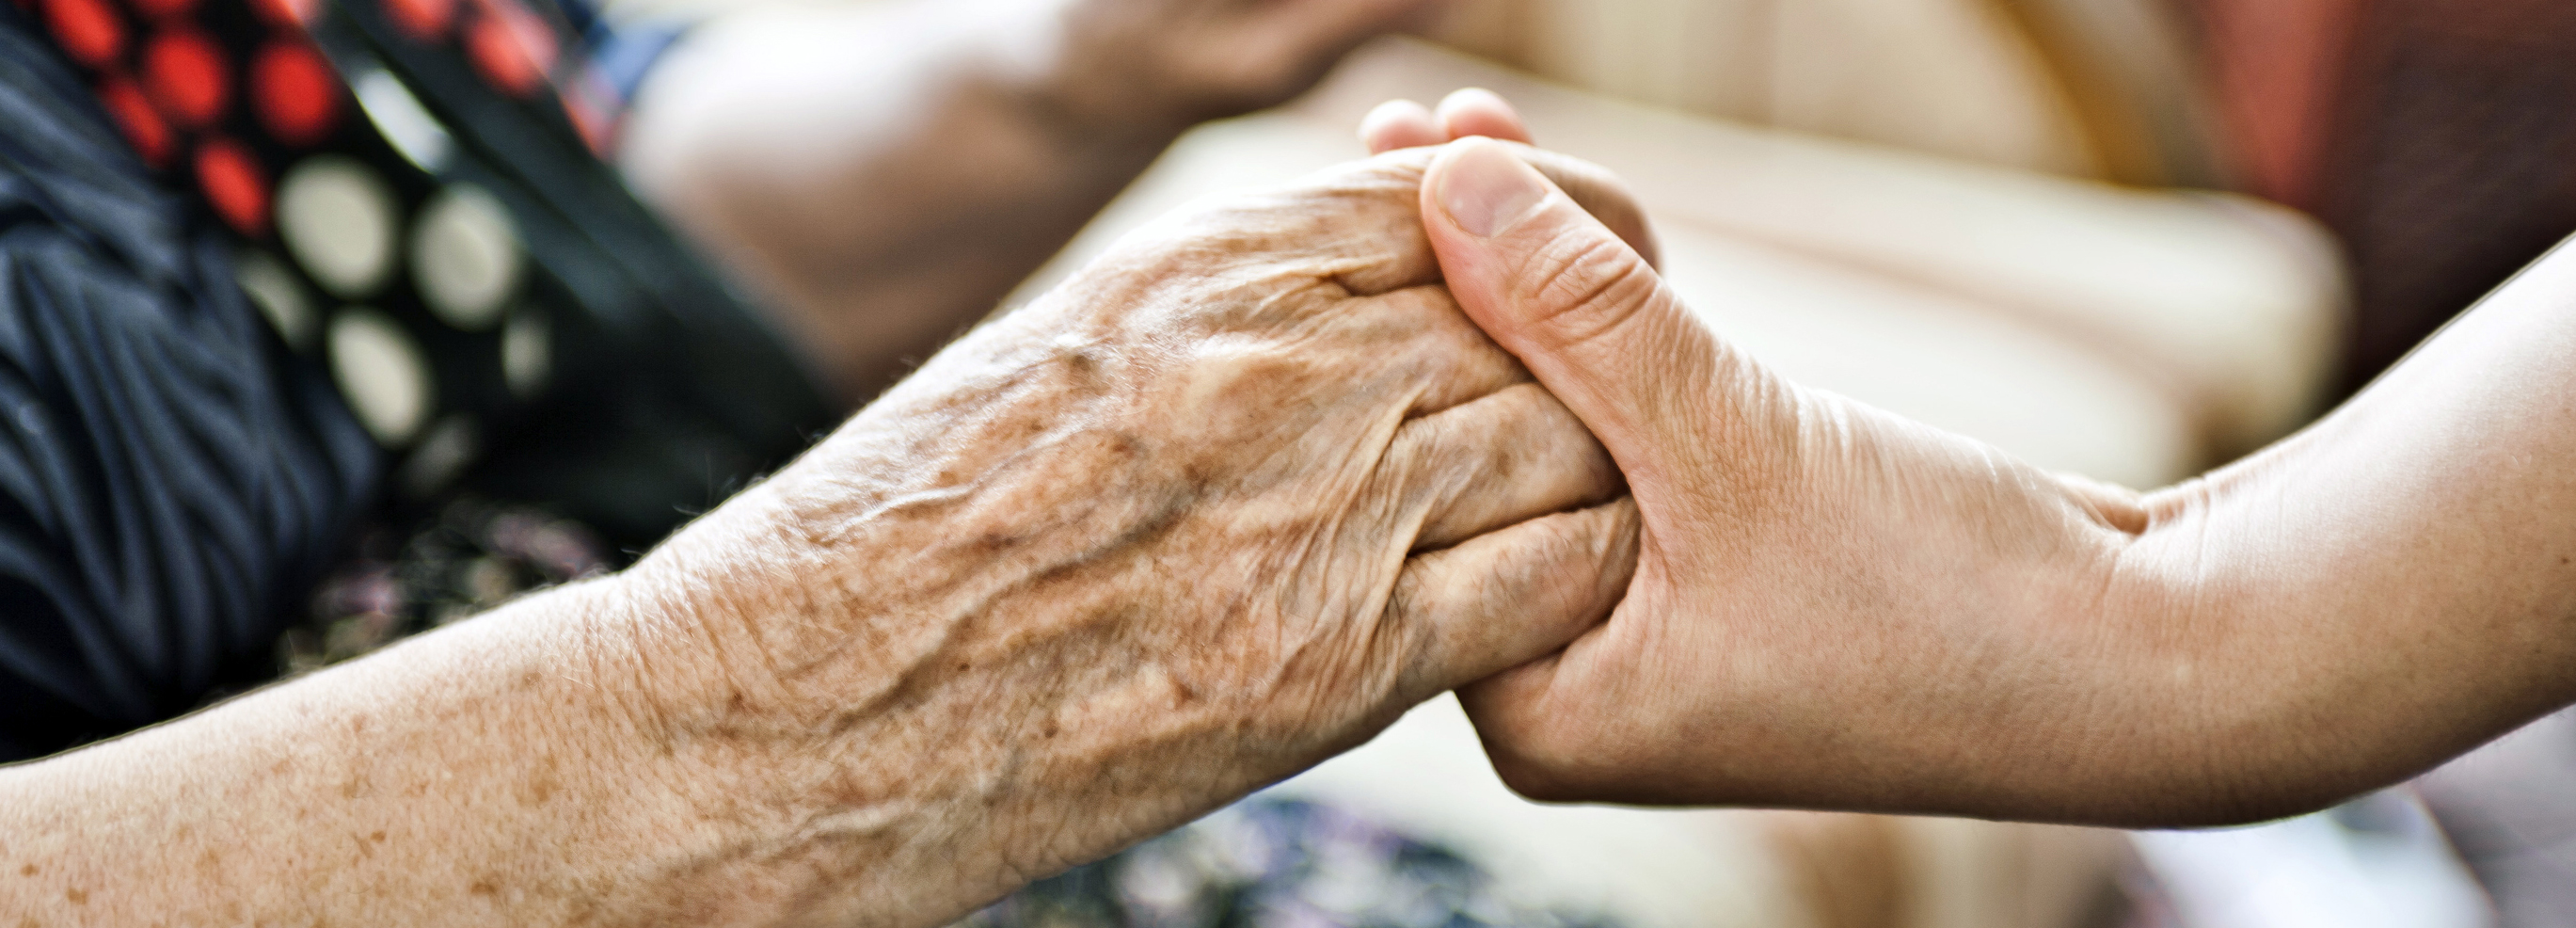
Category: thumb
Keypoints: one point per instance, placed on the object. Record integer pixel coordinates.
(1581, 309)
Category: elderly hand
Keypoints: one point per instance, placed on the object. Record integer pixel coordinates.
(1222, 505)
(1227, 502)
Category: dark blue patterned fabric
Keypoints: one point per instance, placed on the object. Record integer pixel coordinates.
(168, 474)
(175, 480)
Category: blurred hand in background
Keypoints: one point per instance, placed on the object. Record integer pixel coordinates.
(1185, 61)
(884, 174)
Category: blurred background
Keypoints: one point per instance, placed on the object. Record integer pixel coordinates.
(2131, 239)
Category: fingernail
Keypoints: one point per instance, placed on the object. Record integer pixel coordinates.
(1487, 189)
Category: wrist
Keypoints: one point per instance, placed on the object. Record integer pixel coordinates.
(2127, 718)
(868, 748)
(2208, 704)
(1079, 89)
(764, 799)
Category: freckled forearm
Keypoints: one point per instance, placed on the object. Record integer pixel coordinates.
(922, 754)
(488, 773)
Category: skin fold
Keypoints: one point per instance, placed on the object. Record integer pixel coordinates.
(1224, 504)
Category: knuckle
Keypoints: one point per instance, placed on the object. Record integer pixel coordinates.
(1538, 758)
(1532, 781)
(1586, 286)
(1543, 777)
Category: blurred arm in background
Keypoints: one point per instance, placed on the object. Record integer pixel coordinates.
(885, 173)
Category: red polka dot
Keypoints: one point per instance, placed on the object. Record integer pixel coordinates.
(186, 74)
(87, 29)
(134, 115)
(295, 92)
(426, 20)
(234, 183)
(162, 9)
(288, 13)
(511, 47)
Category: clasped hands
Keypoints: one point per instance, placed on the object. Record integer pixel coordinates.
(1282, 466)
(1231, 500)
(1237, 495)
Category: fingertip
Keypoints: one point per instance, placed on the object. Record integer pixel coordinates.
(1518, 594)
(1484, 187)
(1476, 111)
(1398, 124)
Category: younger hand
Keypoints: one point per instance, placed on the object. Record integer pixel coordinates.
(1836, 607)
(1833, 606)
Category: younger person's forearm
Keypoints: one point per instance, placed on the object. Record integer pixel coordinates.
(2396, 584)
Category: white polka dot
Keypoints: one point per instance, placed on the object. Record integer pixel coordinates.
(279, 296)
(337, 218)
(401, 119)
(465, 256)
(382, 374)
(527, 353)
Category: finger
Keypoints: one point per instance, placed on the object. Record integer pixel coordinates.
(1398, 124)
(1585, 312)
(1514, 722)
(1361, 223)
(1548, 728)
(1418, 331)
(1505, 459)
(1594, 189)
(1504, 598)
(1376, 216)
(1476, 111)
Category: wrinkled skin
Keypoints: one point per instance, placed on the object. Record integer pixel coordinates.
(1224, 504)
(1245, 490)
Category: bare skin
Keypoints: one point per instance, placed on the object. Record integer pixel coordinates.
(1838, 608)
(1224, 504)
(885, 173)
